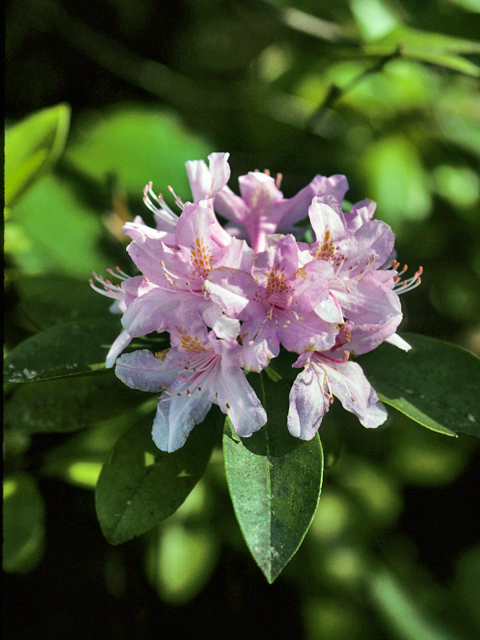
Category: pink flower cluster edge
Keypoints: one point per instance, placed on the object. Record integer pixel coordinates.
(231, 297)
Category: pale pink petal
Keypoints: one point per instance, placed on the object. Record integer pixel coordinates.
(399, 342)
(349, 384)
(142, 370)
(295, 209)
(176, 417)
(368, 301)
(231, 206)
(328, 223)
(122, 341)
(238, 400)
(308, 402)
(150, 312)
(205, 181)
(361, 213)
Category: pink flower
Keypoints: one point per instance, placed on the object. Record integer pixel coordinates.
(356, 248)
(276, 302)
(261, 209)
(197, 371)
(323, 377)
(179, 270)
(123, 295)
(229, 306)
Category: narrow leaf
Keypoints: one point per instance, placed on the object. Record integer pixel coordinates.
(433, 48)
(436, 383)
(403, 611)
(31, 147)
(140, 485)
(68, 404)
(65, 350)
(274, 481)
(50, 299)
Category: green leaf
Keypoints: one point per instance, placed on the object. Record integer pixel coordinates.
(62, 233)
(137, 144)
(404, 612)
(436, 383)
(274, 481)
(23, 523)
(182, 551)
(73, 349)
(31, 148)
(182, 561)
(79, 460)
(52, 299)
(69, 404)
(140, 485)
(433, 48)
(398, 180)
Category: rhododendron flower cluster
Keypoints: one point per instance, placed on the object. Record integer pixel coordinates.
(231, 298)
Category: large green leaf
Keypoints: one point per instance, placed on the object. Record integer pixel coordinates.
(31, 147)
(274, 481)
(435, 384)
(52, 299)
(68, 404)
(140, 485)
(73, 349)
(79, 459)
(23, 523)
(137, 144)
(62, 233)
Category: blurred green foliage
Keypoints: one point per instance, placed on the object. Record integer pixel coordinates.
(383, 91)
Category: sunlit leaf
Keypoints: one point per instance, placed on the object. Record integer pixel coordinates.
(68, 404)
(65, 350)
(63, 233)
(274, 481)
(31, 148)
(23, 523)
(433, 48)
(140, 485)
(137, 144)
(79, 460)
(436, 383)
(398, 181)
(183, 550)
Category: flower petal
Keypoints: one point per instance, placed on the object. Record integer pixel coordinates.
(308, 402)
(238, 400)
(205, 181)
(142, 370)
(176, 417)
(117, 347)
(349, 384)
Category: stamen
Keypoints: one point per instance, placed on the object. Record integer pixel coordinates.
(278, 180)
(410, 283)
(157, 205)
(178, 200)
(121, 275)
(109, 290)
